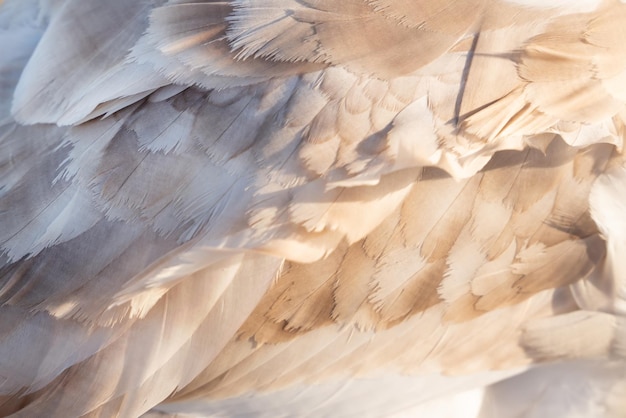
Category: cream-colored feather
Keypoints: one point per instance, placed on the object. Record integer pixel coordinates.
(281, 207)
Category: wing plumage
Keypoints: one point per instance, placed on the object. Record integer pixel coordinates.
(219, 206)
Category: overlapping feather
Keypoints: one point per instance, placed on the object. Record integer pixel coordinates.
(204, 199)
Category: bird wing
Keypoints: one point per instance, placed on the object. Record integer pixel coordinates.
(203, 199)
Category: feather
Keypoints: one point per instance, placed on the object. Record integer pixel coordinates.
(281, 207)
(72, 86)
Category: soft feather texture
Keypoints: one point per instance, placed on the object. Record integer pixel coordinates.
(217, 206)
